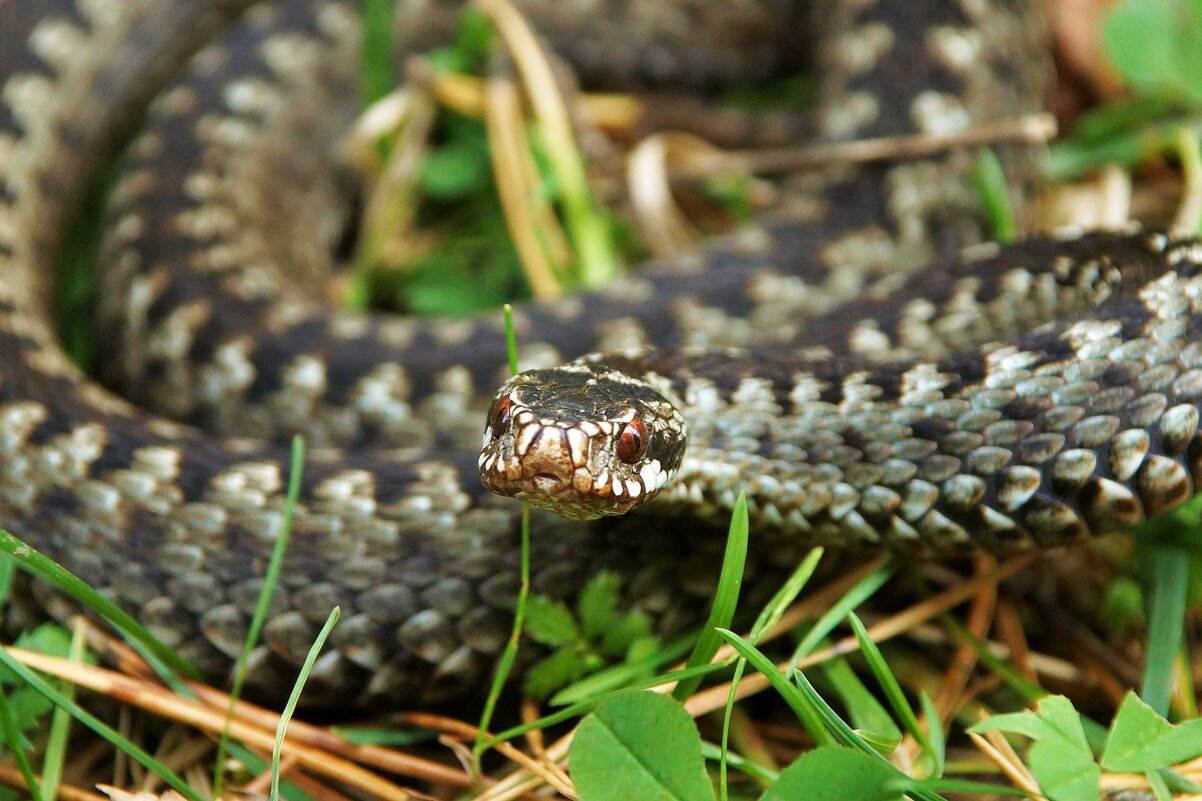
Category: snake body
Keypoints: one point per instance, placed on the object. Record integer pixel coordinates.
(897, 421)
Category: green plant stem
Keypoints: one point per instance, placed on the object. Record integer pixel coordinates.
(281, 728)
(511, 345)
(271, 580)
(505, 663)
(726, 598)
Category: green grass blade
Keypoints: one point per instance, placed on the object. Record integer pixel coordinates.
(281, 728)
(935, 734)
(891, 687)
(511, 343)
(16, 745)
(843, 733)
(99, 727)
(806, 713)
(866, 713)
(989, 180)
(377, 73)
(1159, 787)
(775, 609)
(7, 566)
(1168, 578)
(726, 597)
(767, 619)
(578, 708)
(596, 686)
(60, 725)
(963, 787)
(727, 713)
(857, 595)
(584, 217)
(1185, 687)
(509, 655)
(1070, 159)
(254, 765)
(271, 580)
(739, 762)
(847, 736)
(1189, 215)
(46, 568)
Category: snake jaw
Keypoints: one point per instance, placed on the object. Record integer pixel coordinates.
(583, 441)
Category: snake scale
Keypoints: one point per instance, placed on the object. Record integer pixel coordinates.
(1017, 396)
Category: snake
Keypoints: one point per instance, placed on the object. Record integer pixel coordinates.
(861, 363)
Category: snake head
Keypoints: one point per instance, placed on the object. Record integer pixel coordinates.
(583, 440)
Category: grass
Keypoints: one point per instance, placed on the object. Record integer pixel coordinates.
(929, 671)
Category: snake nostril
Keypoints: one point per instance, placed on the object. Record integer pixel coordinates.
(548, 481)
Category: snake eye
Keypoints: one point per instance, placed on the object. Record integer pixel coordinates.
(498, 418)
(632, 442)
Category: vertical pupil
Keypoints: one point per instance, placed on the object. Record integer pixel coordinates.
(631, 443)
(500, 416)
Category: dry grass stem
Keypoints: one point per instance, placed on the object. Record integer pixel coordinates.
(164, 703)
(665, 228)
(1010, 633)
(10, 776)
(527, 215)
(1032, 128)
(999, 753)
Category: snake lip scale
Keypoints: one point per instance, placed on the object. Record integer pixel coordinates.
(865, 388)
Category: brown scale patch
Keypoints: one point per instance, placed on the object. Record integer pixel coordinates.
(1163, 484)
(1177, 428)
(1127, 452)
(1109, 505)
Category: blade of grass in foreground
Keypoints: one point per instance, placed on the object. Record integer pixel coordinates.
(509, 655)
(271, 580)
(893, 691)
(60, 725)
(769, 616)
(46, 568)
(726, 598)
(281, 728)
(839, 612)
(99, 727)
(847, 736)
(1168, 577)
(801, 707)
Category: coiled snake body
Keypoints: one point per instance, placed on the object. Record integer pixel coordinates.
(898, 421)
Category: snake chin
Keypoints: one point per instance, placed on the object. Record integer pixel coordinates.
(584, 440)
